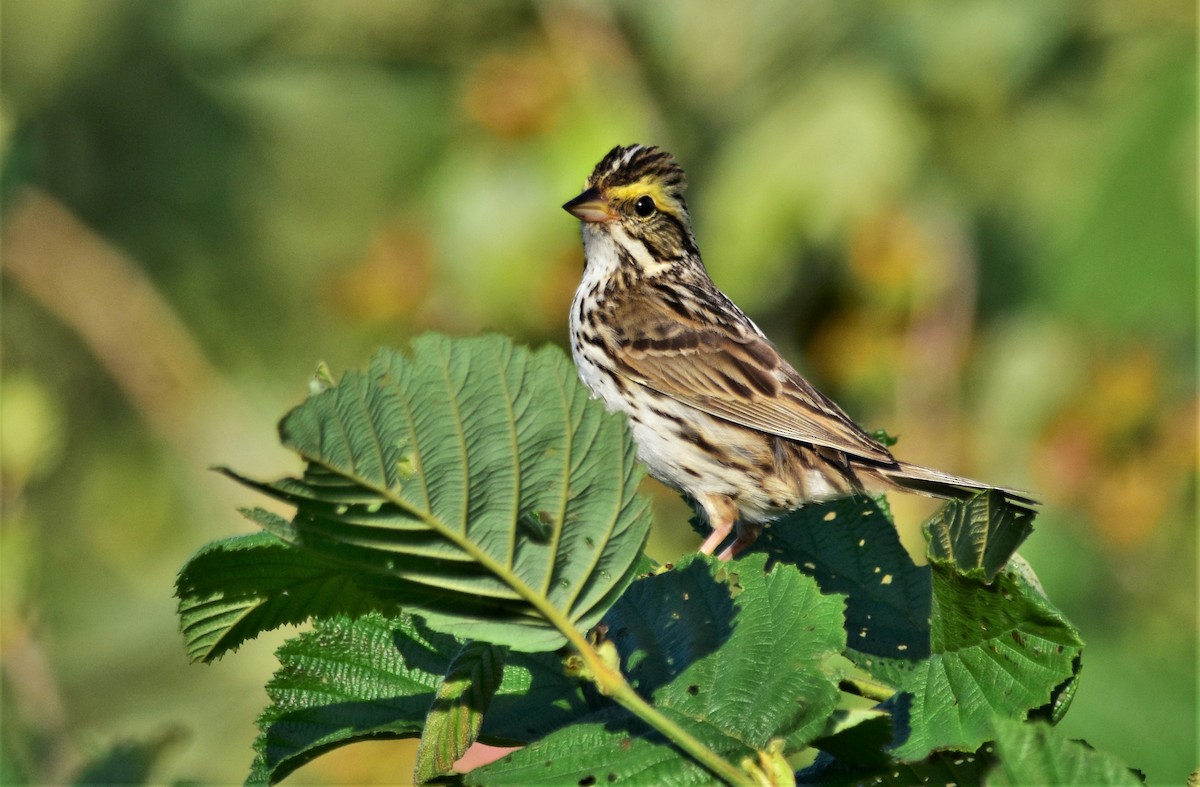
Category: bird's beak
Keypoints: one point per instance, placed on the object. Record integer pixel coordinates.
(589, 206)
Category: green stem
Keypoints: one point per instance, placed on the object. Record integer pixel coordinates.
(867, 689)
(610, 682)
(613, 684)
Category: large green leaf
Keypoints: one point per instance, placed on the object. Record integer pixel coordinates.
(997, 649)
(732, 653)
(373, 676)
(238, 587)
(958, 650)
(735, 645)
(480, 477)
(850, 546)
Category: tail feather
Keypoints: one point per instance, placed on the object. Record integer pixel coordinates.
(935, 483)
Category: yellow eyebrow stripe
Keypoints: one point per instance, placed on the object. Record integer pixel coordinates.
(643, 187)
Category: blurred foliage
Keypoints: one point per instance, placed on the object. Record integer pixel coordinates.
(973, 223)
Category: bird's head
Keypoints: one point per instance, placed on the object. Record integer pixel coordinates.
(634, 198)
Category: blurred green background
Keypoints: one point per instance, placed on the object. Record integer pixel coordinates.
(973, 223)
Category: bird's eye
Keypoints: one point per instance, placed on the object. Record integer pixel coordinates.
(644, 206)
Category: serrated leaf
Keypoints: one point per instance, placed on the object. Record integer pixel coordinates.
(734, 645)
(346, 680)
(920, 629)
(997, 649)
(1060, 698)
(1035, 753)
(375, 676)
(732, 653)
(850, 546)
(478, 474)
(978, 535)
(236, 588)
(609, 747)
(456, 715)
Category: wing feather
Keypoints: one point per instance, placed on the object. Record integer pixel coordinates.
(723, 365)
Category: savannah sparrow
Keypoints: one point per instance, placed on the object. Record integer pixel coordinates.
(716, 411)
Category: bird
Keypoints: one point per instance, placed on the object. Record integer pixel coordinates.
(716, 411)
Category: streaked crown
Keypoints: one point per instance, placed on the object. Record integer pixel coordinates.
(637, 191)
(626, 166)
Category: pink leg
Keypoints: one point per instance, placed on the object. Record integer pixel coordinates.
(721, 513)
(747, 533)
(714, 540)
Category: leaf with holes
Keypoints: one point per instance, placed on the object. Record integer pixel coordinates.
(733, 644)
(733, 653)
(957, 648)
(997, 649)
(850, 546)
(480, 479)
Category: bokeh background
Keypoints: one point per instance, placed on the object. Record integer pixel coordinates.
(972, 222)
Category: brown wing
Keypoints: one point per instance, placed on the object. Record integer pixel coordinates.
(725, 367)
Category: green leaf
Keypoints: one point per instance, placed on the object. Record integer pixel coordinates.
(850, 546)
(1035, 753)
(734, 654)
(236, 588)
(610, 746)
(480, 477)
(978, 535)
(734, 645)
(956, 648)
(349, 679)
(997, 649)
(453, 722)
(375, 677)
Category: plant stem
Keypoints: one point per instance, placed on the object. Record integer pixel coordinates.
(867, 689)
(610, 682)
(613, 684)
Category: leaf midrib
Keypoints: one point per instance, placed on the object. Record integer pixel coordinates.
(560, 620)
